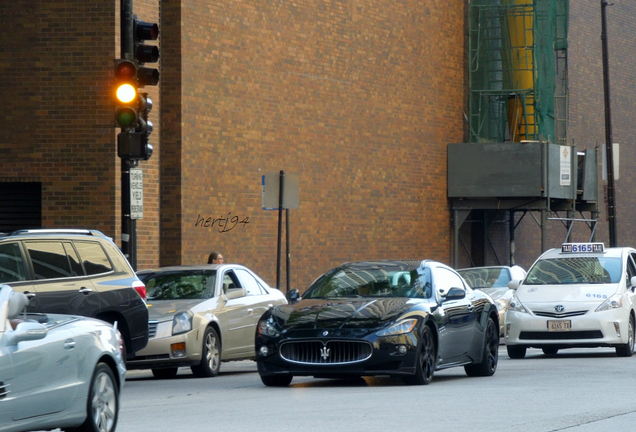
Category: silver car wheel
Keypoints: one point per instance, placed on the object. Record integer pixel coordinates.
(210, 355)
(103, 402)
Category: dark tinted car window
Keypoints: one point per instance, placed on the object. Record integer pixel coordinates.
(179, 286)
(93, 258)
(372, 281)
(49, 260)
(11, 263)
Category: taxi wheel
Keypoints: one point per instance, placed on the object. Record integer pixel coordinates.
(426, 360)
(210, 355)
(627, 350)
(488, 364)
(516, 351)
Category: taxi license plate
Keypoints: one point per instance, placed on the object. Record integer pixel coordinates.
(561, 325)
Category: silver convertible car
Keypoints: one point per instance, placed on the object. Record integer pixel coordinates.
(57, 371)
(200, 316)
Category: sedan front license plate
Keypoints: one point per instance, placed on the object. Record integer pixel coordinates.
(565, 325)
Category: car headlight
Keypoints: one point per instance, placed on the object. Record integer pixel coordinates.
(401, 327)
(268, 328)
(182, 322)
(613, 302)
(502, 304)
(515, 305)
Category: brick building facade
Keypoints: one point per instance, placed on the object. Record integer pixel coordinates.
(358, 98)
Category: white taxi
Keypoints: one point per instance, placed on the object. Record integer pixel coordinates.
(582, 295)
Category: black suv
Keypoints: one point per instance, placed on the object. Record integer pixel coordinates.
(76, 272)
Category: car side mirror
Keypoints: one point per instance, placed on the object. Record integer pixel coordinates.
(293, 296)
(633, 281)
(235, 293)
(455, 293)
(514, 284)
(27, 331)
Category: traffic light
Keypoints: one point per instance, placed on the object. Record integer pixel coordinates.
(133, 106)
(126, 97)
(142, 32)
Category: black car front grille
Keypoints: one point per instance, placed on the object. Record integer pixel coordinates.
(152, 329)
(559, 315)
(567, 335)
(325, 353)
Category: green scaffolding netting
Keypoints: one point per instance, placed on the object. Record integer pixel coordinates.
(517, 70)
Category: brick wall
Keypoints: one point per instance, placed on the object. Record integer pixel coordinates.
(359, 98)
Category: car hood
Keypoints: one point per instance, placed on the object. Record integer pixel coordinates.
(323, 313)
(575, 293)
(165, 309)
(495, 293)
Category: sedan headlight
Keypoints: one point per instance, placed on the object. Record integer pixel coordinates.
(502, 304)
(401, 327)
(515, 305)
(613, 302)
(268, 328)
(182, 322)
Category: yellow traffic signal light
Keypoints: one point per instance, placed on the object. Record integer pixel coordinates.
(126, 97)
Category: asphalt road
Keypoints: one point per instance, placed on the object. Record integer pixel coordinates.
(581, 390)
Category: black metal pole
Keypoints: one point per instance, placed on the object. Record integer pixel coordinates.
(128, 225)
(287, 248)
(280, 225)
(609, 151)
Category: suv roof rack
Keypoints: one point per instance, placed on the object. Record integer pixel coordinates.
(57, 231)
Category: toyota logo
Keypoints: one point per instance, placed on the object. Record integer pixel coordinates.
(559, 308)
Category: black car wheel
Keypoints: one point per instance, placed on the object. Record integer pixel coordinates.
(277, 380)
(426, 359)
(550, 350)
(516, 351)
(165, 373)
(488, 364)
(103, 402)
(210, 355)
(627, 350)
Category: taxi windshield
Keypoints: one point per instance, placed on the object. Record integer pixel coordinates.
(575, 270)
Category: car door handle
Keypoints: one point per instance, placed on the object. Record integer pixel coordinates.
(250, 311)
(29, 295)
(84, 290)
(69, 344)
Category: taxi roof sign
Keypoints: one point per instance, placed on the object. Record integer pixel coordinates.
(582, 247)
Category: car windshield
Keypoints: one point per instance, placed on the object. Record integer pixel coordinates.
(575, 270)
(492, 277)
(373, 281)
(179, 286)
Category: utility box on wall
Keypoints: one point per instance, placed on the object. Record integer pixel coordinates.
(519, 170)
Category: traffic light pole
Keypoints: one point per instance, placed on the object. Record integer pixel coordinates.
(128, 225)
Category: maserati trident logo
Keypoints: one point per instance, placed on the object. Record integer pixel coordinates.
(324, 353)
(559, 308)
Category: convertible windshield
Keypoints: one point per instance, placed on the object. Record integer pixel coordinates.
(179, 286)
(376, 281)
(575, 270)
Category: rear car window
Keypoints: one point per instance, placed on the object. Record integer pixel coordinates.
(49, 260)
(11, 263)
(94, 259)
